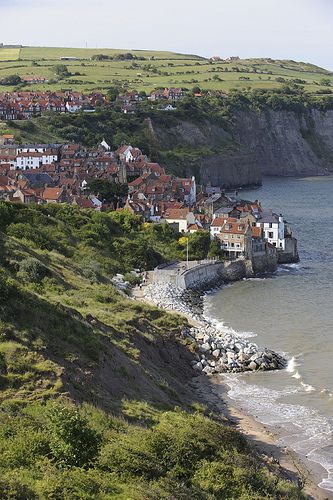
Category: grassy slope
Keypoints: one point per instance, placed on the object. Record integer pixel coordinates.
(70, 340)
(172, 70)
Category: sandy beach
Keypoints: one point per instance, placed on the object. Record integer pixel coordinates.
(213, 391)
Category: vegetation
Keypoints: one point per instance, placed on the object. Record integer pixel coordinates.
(94, 397)
(148, 70)
(111, 192)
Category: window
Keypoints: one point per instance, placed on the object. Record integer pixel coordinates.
(270, 234)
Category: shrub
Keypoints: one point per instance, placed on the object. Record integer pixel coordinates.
(91, 269)
(13, 488)
(72, 441)
(33, 270)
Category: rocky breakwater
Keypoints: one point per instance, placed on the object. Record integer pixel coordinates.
(216, 350)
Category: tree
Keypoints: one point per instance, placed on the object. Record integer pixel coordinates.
(111, 192)
(72, 441)
(113, 93)
(326, 82)
(196, 90)
(199, 243)
(11, 80)
(61, 70)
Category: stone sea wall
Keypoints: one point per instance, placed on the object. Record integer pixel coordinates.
(204, 276)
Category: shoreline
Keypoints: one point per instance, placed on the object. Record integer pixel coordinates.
(214, 390)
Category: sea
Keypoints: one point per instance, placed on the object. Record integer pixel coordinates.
(290, 311)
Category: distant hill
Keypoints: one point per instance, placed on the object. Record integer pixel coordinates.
(146, 70)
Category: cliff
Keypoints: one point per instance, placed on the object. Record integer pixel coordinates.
(251, 144)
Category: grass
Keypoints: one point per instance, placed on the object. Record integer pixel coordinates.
(9, 54)
(159, 69)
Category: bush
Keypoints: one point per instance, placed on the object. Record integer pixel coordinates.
(33, 270)
(91, 269)
(6, 287)
(72, 441)
(13, 488)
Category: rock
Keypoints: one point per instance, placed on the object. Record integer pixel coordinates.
(253, 366)
(208, 370)
(216, 353)
(242, 357)
(205, 347)
(230, 356)
(198, 366)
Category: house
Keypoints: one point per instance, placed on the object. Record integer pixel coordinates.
(35, 178)
(216, 226)
(54, 195)
(258, 242)
(124, 152)
(274, 228)
(73, 106)
(169, 107)
(194, 228)
(25, 196)
(26, 161)
(236, 239)
(180, 218)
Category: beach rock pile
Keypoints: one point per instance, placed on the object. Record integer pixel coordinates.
(119, 282)
(217, 351)
(170, 297)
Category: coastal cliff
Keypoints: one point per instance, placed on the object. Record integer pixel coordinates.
(253, 143)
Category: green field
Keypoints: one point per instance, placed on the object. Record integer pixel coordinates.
(9, 54)
(158, 69)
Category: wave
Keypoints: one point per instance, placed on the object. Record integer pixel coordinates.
(221, 326)
(302, 429)
(292, 365)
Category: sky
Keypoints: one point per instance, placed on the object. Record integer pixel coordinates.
(281, 29)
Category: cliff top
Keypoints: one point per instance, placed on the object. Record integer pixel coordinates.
(99, 69)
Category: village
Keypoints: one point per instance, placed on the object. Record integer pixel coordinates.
(28, 104)
(77, 175)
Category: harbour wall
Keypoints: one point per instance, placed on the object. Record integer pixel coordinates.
(205, 275)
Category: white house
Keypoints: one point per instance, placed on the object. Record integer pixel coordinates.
(217, 225)
(273, 226)
(73, 106)
(26, 161)
(32, 160)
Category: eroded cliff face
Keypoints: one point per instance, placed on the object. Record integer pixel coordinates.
(266, 142)
(286, 143)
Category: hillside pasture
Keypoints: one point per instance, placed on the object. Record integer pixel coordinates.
(9, 54)
(158, 69)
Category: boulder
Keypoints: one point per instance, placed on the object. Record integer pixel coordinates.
(253, 366)
(216, 353)
(205, 347)
(208, 370)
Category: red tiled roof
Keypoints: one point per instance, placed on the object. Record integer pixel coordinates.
(177, 213)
